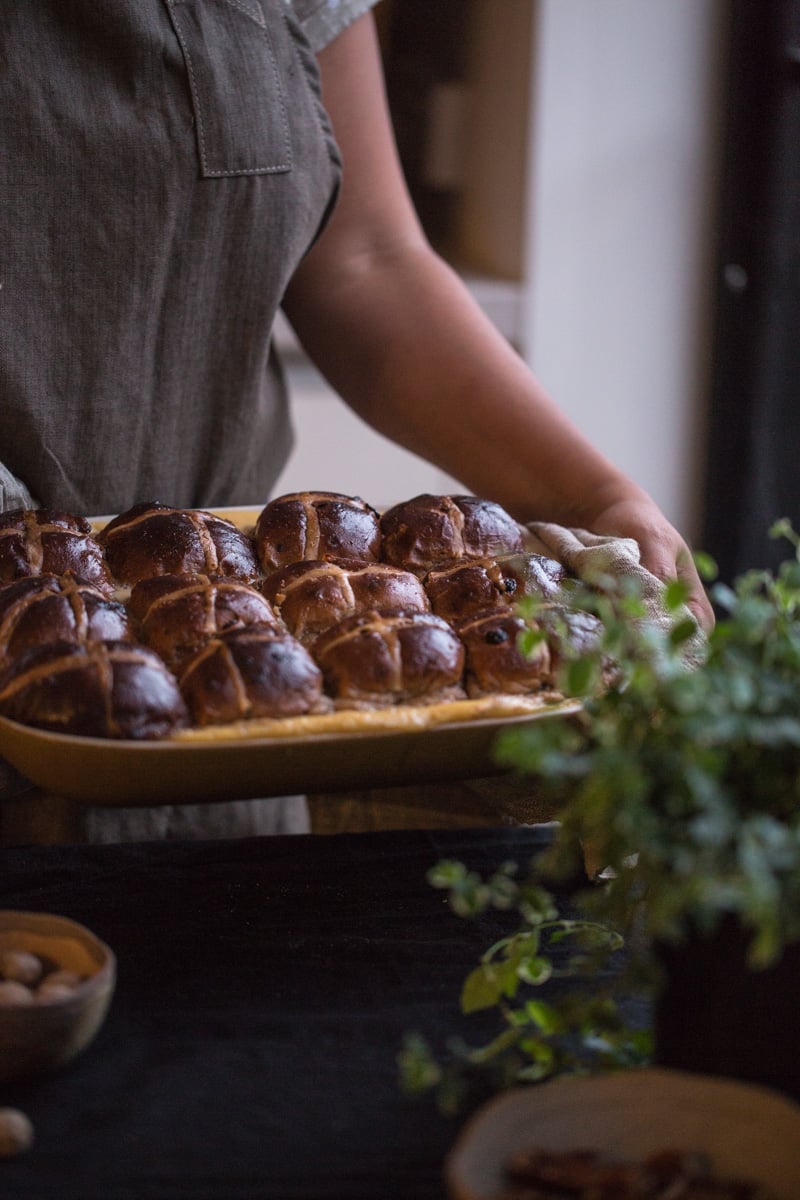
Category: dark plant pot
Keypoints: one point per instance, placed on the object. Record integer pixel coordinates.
(717, 1016)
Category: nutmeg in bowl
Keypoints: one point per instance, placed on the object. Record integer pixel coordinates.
(58, 980)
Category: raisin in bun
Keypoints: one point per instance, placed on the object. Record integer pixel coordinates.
(431, 530)
(316, 525)
(375, 660)
(42, 541)
(154, 539)
(260, 671)
(477, 585)
(51, 608)
(177, 614)
(104, 689)
(312, 596)
(495, 662)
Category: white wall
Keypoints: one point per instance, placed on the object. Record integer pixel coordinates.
(336, 451)
(621, 198)
(613, 305)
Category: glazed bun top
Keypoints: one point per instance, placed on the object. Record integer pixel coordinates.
(316, 525)
(380, 659)
(104, 689)
(495, 660)
(49, 608)
(177, 614)
(475, 585)
(245, 673)
(429, 530)
(497, 663)
(312, 596)
(154, 539)
(43, 541)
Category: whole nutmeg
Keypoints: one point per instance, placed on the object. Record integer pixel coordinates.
(58, 985)
(51, 993)
(13, 994)
(16, 1132)
(21, 966)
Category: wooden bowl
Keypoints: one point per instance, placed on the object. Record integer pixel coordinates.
(46, 1034)
(744, 1131)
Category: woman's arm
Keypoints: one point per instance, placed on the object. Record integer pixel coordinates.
(401, 339)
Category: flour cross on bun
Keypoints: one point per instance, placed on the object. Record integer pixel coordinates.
(41, 609)
(316, 525)
(154, 539)
(103, 689)
(377, 659)
(458, 589)
(177, 614)
(44, 541)
(495, 662)
(311, 596)
(428, 531)
(259, 671)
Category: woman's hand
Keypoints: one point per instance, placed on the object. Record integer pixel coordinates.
(663, 551)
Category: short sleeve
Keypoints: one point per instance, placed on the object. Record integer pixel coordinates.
(322, 20)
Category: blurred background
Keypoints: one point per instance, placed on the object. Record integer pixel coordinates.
(619, 183)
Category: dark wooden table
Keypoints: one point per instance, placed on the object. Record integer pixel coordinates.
(264, 989)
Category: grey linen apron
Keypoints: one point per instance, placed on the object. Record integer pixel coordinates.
(164, 167)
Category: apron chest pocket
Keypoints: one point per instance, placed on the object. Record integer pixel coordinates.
(240, 112)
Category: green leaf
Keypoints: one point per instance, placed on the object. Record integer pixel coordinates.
(783, 529)
(482, 988)
(543, 1060)
(535, 970)
(706, 566)
(503, 891)
(544, 1016)
(529, 640)
(676, 593)
(536, 905)
(580, 677)
(484, 1054)
(683, 632)
(446, 873)
(418, 1070)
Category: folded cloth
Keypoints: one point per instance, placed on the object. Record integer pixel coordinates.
(592, 556)
(13, 492)
(589, 557)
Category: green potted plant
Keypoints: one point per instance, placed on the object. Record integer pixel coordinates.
(680, 782)
(683, 783)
